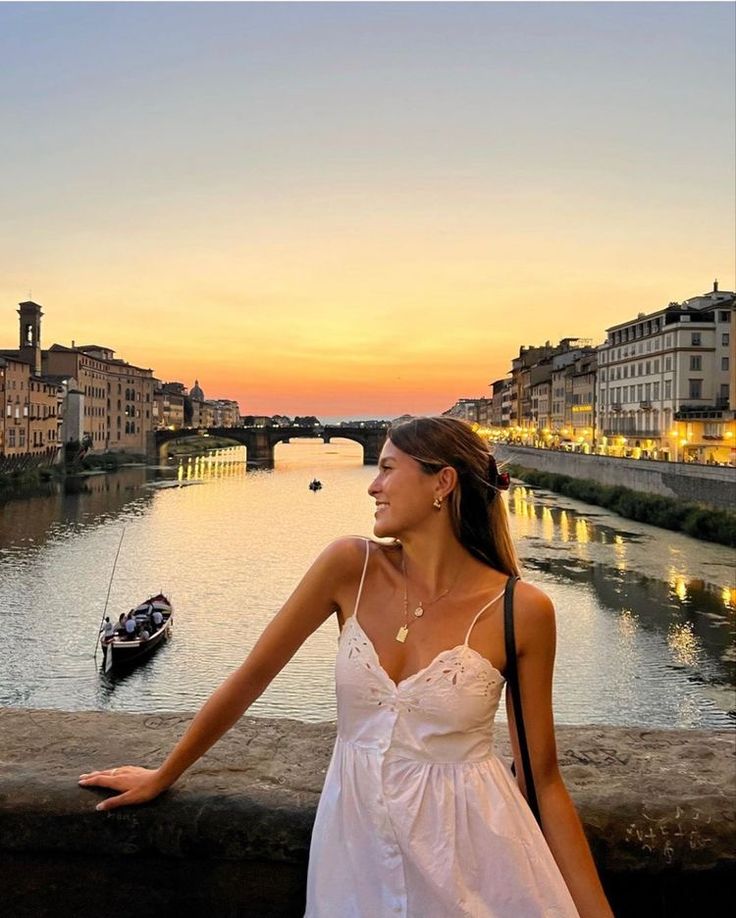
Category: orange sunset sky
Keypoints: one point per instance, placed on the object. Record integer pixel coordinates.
(358, 210)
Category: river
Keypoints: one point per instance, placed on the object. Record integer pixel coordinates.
(646, 617)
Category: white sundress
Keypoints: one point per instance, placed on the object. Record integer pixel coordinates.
(418, 816)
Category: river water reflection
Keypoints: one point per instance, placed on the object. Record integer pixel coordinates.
(646, 618)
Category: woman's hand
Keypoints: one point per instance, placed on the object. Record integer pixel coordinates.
(132, 783)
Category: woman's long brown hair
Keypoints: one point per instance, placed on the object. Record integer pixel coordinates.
(477, 510)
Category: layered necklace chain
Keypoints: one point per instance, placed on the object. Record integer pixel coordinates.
(421, 607)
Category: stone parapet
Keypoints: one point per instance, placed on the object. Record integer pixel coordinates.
(713, 486)
(232, 837)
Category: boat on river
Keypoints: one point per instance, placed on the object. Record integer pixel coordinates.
(121, 649)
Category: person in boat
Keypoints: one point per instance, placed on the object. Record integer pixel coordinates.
(108, 629)
(131, 625)
(157, 618)
(418, 812)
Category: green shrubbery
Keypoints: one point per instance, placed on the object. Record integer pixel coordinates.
(667, 512)
(77, 459)
(109, 462)
(26, 482)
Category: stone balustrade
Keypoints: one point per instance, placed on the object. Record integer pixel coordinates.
(231, 838)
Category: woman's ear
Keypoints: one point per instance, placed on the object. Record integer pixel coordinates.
(447, 480)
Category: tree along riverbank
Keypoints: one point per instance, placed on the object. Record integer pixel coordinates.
(666, 512)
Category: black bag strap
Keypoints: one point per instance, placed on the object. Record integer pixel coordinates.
(512, 683)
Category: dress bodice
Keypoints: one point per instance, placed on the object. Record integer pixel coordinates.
(442, 713)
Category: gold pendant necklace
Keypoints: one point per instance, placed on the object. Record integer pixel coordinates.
(403, 632)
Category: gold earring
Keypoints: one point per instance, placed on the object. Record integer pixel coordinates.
(437, 503)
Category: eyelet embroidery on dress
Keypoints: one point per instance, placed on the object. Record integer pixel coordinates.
(451, 667)
(356, 647)
(454, 669)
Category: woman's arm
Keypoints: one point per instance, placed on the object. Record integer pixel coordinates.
(311, 603)
(534, 618)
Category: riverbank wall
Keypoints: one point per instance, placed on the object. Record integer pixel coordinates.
(712, 486)
(232, 838)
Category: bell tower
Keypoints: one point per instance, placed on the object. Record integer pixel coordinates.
(30, 334)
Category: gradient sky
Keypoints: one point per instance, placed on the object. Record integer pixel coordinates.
(359, 209)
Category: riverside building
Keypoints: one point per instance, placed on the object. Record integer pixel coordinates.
(118, 396)
(472, 410)
(539, 396)
(500, 403)
(30, 409)
(29, 424)
(86, 390)
(665, 382)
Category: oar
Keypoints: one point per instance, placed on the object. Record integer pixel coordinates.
(107, 599)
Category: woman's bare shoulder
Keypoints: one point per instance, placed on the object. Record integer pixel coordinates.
(346, 548)
(344, 556)
(534, 613)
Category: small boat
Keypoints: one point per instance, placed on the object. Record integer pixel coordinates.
(315, 485)
(121, 649)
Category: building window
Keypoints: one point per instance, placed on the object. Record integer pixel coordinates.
(695, 339)
(696, 363)
(724, 363)
(668, 388)
(656, 391)
(696, 388)
(724, 316)
(724, 339)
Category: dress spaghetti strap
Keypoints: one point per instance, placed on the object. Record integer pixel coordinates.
(362, 579)
(486, 606)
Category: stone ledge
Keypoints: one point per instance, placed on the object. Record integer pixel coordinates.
(652, 801)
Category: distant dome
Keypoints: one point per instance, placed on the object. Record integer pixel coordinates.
(195, 392)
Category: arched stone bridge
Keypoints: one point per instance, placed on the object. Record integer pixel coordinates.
(259, 442)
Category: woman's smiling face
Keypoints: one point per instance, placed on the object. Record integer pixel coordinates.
(403, 493)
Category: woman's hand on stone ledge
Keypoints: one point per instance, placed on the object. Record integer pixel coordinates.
(132, 783)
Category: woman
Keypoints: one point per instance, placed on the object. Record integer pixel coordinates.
(418, 817)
